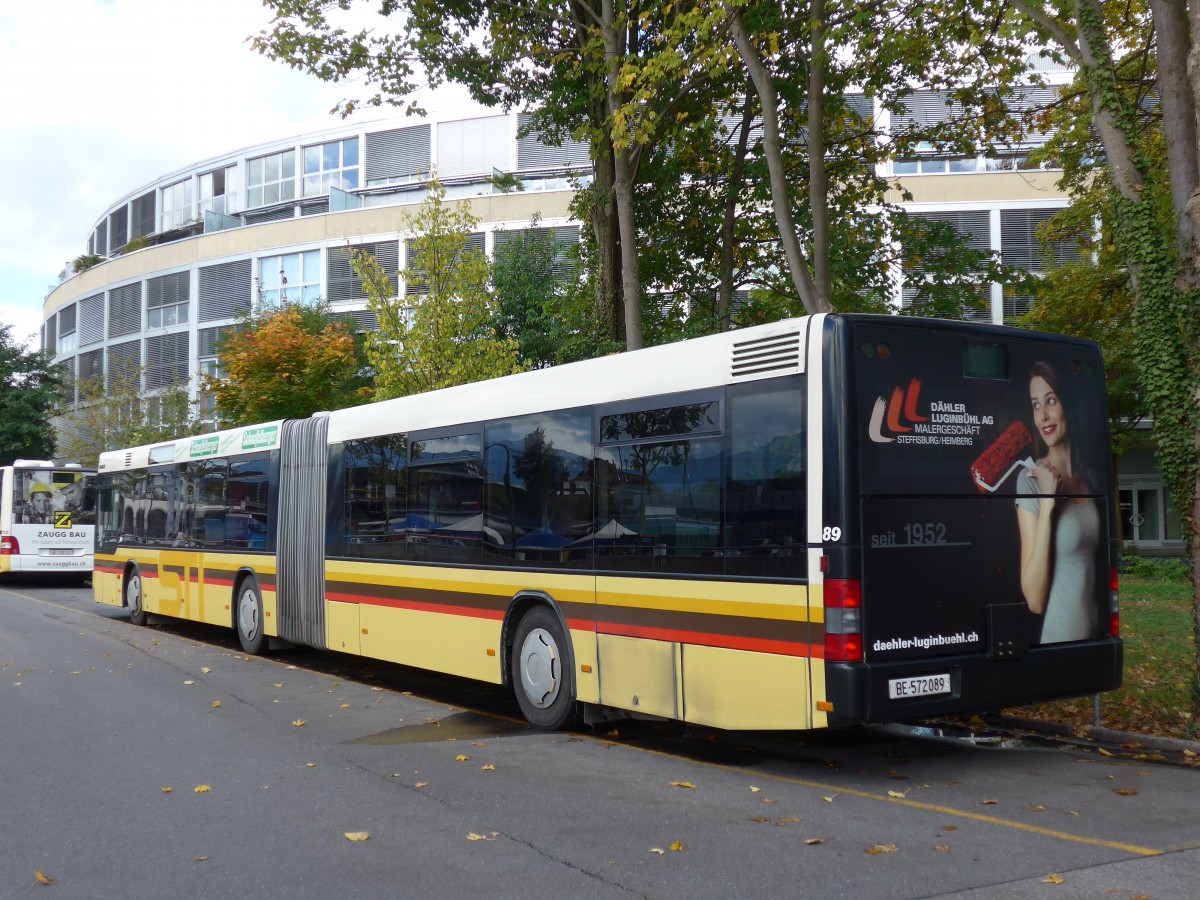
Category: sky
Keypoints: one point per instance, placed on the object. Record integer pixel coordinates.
(100, 97)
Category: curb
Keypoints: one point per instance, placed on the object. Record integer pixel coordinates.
(1123, 741)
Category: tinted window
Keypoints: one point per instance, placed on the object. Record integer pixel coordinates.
(376, 497)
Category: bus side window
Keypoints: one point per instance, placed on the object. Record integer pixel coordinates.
(767, 486)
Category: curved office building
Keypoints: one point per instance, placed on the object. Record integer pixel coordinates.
(186, 255)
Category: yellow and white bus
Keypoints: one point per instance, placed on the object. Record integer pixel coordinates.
(817, 522)
(47, 518)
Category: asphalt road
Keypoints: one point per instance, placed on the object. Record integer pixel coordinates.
(155, 762)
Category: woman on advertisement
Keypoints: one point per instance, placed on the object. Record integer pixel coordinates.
(1060, 527)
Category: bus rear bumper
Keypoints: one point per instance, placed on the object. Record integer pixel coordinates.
(860, 695)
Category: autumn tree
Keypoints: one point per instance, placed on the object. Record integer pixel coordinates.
(28, 390)
(286, 361)
(442, 331)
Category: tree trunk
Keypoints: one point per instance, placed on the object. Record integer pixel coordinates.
(818, 177)
(631, 288)
(781, 200)
(604, 230)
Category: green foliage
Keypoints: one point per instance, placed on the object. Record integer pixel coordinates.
(29, 385)
(287, 362)
(1160, 568)
(85, 262)
(450, 336)
(115, 412)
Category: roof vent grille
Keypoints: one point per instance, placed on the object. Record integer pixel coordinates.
(768, 354)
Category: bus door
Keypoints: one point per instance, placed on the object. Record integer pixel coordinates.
(952, 425)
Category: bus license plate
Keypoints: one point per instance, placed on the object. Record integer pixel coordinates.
(55, 551)
(920, 686)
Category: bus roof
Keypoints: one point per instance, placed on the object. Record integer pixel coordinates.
(231, 442)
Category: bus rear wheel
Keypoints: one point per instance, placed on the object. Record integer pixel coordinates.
(133, 598)
(250, 617)
(541, 672)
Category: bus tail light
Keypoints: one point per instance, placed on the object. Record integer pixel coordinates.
(1114, 593)
(9, 546)
(843, 620)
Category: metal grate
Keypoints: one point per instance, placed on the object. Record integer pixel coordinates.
(398, 155)
(125, 309)
(91, 319)
(343, 284)
(166, 360)
(534, 153)
(768, 354)
(225, 290)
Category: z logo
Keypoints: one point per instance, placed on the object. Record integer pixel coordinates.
(62, 518)
(902, 402)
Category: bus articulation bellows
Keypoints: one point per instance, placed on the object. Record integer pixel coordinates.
(818, 522)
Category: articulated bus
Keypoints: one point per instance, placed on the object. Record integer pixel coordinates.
(825, 521)
(47, 518)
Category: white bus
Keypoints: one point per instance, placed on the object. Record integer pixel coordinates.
(824, 521)
(47, 518)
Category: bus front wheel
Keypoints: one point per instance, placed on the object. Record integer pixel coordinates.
(250, 617)
(541, 673)
(133, 598)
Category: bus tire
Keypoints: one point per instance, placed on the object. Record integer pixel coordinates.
(248, 616)
(541, 670)
(134, 601)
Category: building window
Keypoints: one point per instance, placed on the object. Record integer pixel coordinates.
(219, 191)
(334, 164)
(68, 338)
(271, 179)
(291, 278)
(176, 204)
(167, 300)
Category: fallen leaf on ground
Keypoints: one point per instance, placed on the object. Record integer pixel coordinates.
(657, 850)
(200, 859)
(1038, 808)
(882, 848)
(989, 802)
(189, 681)
(42, 877)
(1125, 792)
(358, 835)
(812, 842)
(1053, 879)
(216, 704)
(678, 845)
(278, 684)
(421, 784)
(488, 768)
(828, 799)
(755, 790)
(299, 722)
(682, 784)
(166, 790)
(201, 789)
(480, 837)
(462, 757)
(204, 670)
(1102, 752)
(942, 848)
(898, 795)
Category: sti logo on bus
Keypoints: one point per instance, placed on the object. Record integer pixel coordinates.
(903, 402)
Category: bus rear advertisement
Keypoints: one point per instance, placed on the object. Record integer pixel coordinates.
(825, 521)
(47, 518)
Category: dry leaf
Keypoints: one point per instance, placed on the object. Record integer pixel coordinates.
(760, 819)
(682, 784)
(1053, 879)
(755, 790)
(989, 802)
(1038, 808)
(1126, 792)
(657, 850)
(377, 689)
(949, 828)
(897, 794)
(278, 684)
(204, 670)
(291, 668)
(812, 842)
(828, 799)
(942, 848)
(1103, 752)
(678, 845)
(166, 790)
(461, 758)
(345, 706)
(299, 722)
(358, 835)
(201, 789)
(216, 704)
(882, 848)
(200, 859)
(480, 837)
(189, 681)
(488, 768)
(42, 877)
(421, 784)
(769, 800)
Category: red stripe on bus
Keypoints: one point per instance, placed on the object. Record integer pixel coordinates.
(445, 608)
(762, 645)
